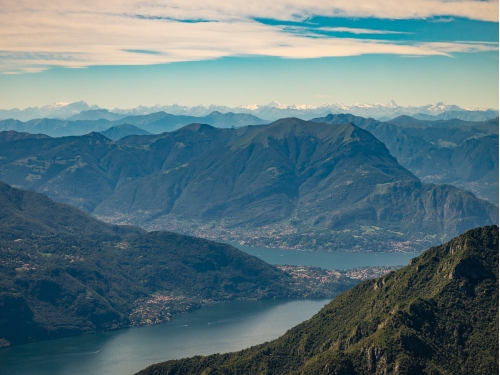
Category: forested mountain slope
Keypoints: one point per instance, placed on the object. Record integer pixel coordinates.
(63, 272)
(322, 185)
(438, 315)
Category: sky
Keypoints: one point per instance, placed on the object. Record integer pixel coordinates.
(125, 53)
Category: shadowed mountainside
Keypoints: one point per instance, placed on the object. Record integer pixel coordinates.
(292, 183)
(64, 273)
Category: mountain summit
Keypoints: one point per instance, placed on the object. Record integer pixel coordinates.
(299, 183)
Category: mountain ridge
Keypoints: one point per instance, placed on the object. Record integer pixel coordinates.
(288, 184)
(456, 152)
(155, 123)
(271, 111)
(303, 175)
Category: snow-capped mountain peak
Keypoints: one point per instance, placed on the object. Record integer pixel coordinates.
(391, 104)
(251, 107)
(275, 104)
(57, 105)
(302, 107)
(271, 111)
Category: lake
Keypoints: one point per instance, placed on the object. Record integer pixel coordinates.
(327, 260)
(219, 328)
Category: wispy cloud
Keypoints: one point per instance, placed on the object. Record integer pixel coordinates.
(36, 34)
(353, 30)
(442, 20)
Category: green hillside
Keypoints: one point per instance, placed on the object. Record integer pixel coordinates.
(438, 315)
(64, 273)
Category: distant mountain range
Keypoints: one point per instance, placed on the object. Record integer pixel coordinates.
(154, 123)
(57, 110)
(291, 183)
(456, 152)
(475, 116)
(64, 273)
(160, 122)
(270, 112)
(438, 315)
(95, 114)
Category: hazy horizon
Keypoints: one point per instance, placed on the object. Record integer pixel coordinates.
(248, 106)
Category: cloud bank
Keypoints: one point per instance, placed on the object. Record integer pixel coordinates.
(36, 35)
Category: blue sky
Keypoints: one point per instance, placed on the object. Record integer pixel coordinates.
(125, 54)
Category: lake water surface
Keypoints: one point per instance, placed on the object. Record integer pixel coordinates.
(219, 328)
(327, 260)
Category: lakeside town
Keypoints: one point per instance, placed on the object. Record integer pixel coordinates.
(307, 282)
(24, 257)
(284, 235)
